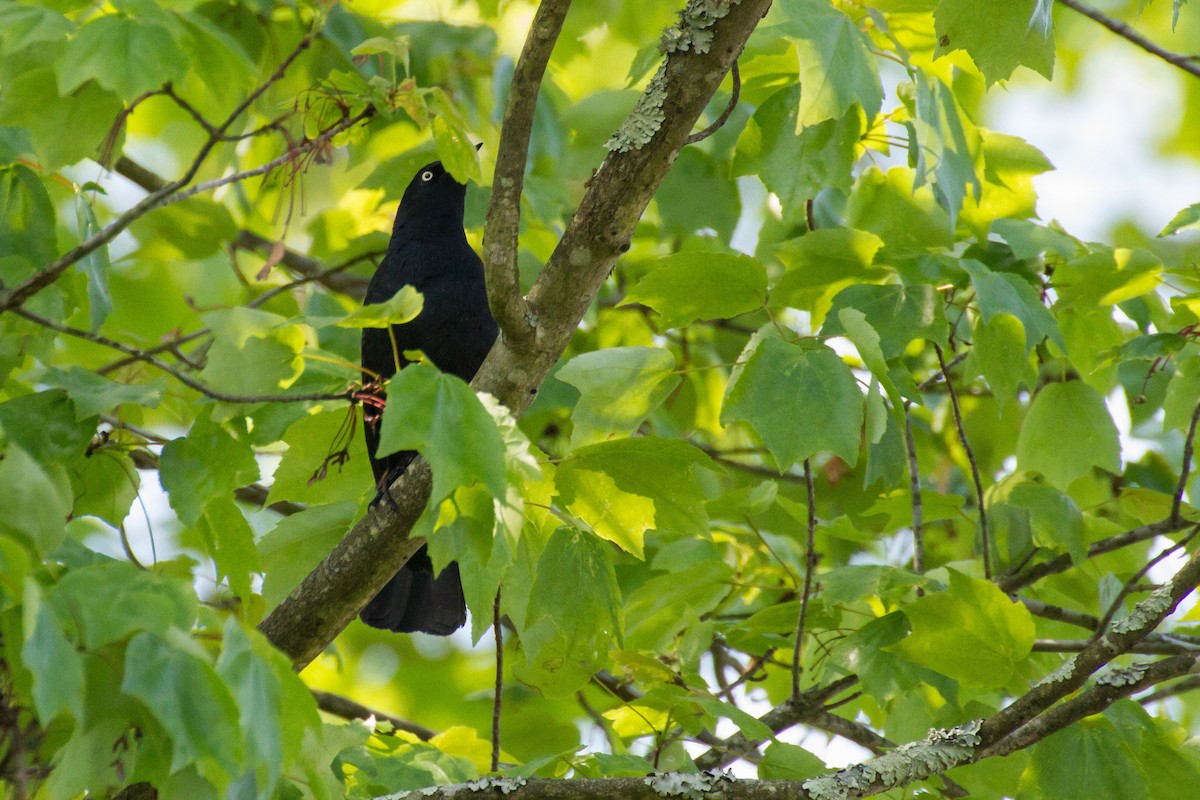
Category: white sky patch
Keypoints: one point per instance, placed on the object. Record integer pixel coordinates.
(1103, 138)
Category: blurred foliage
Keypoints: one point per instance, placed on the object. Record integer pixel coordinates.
(784, 302)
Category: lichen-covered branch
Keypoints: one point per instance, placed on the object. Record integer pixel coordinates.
(504, 211)
(598, 233)
(1109, 688)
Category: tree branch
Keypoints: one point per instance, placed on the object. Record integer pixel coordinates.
(371, 553)
(49, 274)
(502, 227)
(182, 377)
(809, 706)
(346, 708)
(1186, 63)
(962, 437)
(1109, 688)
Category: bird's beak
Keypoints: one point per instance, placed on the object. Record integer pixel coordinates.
(478, 146)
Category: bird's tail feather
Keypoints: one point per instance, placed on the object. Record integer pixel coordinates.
(414, 600)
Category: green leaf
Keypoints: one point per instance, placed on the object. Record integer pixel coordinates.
(664, 606)
(801, 398)
(106, 484)
(253, 352)
(618, 387)
(789, 762)
(207, 463)
(972, 632)
(1107, 276)
(898, 314)
(440, 416)
(796, 162)
(1068, 431)
(573, 617)
(454, 147)
(46, 425)
(56, 666)
(698, 193)
(624, 487)
(256, 690)
(298, 543)
(95, 264)
(896, 209)
(1005, 293)
(37, 498)
(111, 600)
(23, 25)
(866, 341)
(837, 68)
(692, 286)
(183, 692)
(998, 36)
(1003, 356)
(1187, 218)
(947, 145)
(94, 394)
(1054, 519)
(403, 306)
(1087, 759)
(27, 220)
(305, 475)
(127, 55)
(31, 100)
(821, 264)
(194, 229)
(230, 542)
(751, 726)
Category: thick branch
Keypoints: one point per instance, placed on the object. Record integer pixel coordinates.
(1119, 684)
(504, 212)
(599, 232)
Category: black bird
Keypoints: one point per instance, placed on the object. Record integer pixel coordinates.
(455, 330)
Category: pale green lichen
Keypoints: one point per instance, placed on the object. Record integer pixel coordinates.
(1061, 672)
(681, 784)
(913, 761)
(1126, 676)
(693, 31)
(646, 117)
(489, 784)
(1146, 613)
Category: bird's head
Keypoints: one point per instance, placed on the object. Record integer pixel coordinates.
(433, 191)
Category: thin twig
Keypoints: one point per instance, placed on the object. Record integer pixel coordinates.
(720, 121)
(1185, 63)
(183, 378)
(962, 436)
(810, 562)
(1185, 467)
(1018, 580)
(496, 700)
(914, 477)
(346, 708)
(1157, 646)
(263, 169)
(501, 228)
(49, 274)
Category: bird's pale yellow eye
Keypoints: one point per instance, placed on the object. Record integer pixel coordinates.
(427, 176)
